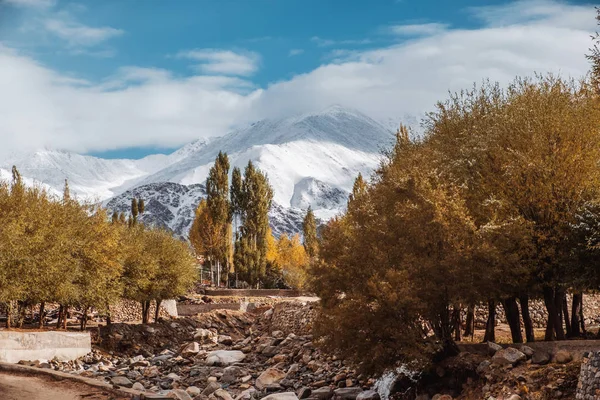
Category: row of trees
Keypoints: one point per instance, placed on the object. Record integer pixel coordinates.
(231, 231)
(68, 252)
(498, 203)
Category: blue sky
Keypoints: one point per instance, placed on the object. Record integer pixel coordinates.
(129, 78)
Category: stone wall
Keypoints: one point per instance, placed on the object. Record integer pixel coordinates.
(293, 317)
(588, 387)
(188, 310)
(253, 292)
(65, 346)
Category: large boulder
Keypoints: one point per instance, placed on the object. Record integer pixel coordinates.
(508, 356)
(223, 358)
(269, 377)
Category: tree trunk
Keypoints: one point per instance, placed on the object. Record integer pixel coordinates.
(528, 324)
(60, 315)
(470, 321)
(42, 311)
(456, 322)
(511, 310)
(64, 321)
(558, 322)
(83, 318)
(565, 311)
(490, 326)
(145, 311)
(9, 315)
(108, 319)
(157, 311)
(554, 328)
(575, 310)
(21, 313)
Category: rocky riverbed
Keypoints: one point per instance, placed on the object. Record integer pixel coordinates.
(221, 355)
(269, 353)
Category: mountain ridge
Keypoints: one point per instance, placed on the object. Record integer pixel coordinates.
(310, 159)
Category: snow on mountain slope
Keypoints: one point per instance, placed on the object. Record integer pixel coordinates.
(167, 204)
(314, 193)
(310, 160)
(332, 146)
(92, 177)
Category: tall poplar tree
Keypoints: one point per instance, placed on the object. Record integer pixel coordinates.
(309, 229)
(252, 244)
(217, 201)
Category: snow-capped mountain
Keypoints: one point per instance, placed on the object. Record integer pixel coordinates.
(310, 160)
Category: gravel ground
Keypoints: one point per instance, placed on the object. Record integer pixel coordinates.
(19, 387)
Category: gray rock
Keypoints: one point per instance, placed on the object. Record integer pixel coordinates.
(508, 356)
(121, 381)
(303, 393)
(323, 393)
(138, 386)
(492, 348)
(346, 393)
(231, 374)
(528, 351)
(210, 388)
(540, 357)
(368, 395)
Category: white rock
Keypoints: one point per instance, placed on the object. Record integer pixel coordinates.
(224, 358)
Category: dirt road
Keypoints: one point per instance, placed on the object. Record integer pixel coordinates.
(19, 387)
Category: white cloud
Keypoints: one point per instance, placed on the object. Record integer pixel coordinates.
(77, 34)
(32, 3)
(329, 42)
(137, 106)
(226, 62)
(295, 52)
(418, 29)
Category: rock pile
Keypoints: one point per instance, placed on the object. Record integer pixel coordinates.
(222, 355)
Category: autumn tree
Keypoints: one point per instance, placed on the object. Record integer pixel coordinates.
(219, 208)
(401, 255)
(293, 260)
(251, 246)
(594, 57)
(309, 229)
(206, 236)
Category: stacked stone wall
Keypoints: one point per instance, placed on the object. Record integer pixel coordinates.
(588, 387)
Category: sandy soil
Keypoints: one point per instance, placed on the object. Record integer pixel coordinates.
(19, 387)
